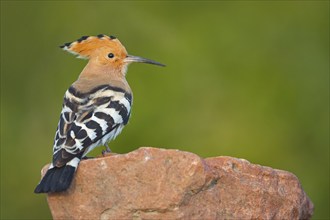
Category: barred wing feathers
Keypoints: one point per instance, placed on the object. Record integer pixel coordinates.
(88, 120)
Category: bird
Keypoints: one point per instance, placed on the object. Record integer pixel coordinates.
(95, 109)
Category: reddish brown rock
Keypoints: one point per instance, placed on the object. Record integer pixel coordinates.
(152, 183)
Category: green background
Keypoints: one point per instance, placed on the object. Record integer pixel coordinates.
(247, 79)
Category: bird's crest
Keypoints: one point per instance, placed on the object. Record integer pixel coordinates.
(85, 46)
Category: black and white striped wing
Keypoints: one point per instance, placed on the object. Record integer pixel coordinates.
(88, 120)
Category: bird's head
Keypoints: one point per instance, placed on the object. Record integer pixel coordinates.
(104, 50)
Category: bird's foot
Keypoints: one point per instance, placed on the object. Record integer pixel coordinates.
(107, 154)
(107, 151)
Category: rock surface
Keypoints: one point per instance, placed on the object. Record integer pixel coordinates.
(152, 183)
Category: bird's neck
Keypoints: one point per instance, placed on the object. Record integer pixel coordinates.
(94, 75)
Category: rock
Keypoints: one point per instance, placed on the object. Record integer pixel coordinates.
(152, 183)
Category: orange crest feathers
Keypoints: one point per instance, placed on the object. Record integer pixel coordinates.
(85, 46)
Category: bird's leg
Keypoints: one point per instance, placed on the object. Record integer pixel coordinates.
(107, 150)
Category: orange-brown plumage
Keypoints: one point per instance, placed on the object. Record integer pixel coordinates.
(102, 68)
(97, 48)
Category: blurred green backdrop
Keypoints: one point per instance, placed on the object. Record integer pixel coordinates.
(247, 79)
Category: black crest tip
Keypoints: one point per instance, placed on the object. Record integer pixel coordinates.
(65, 45)
(112, 37)
(82, 38)
(100, 35)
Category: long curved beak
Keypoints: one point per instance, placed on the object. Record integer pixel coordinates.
(135, 59)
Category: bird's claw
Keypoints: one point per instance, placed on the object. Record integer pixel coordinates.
(107, 151)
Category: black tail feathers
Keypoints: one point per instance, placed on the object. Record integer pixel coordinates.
(56, 180)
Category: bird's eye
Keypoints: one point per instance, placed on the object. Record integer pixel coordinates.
(110, 55)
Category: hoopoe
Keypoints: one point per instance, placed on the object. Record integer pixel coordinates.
(96, 107)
